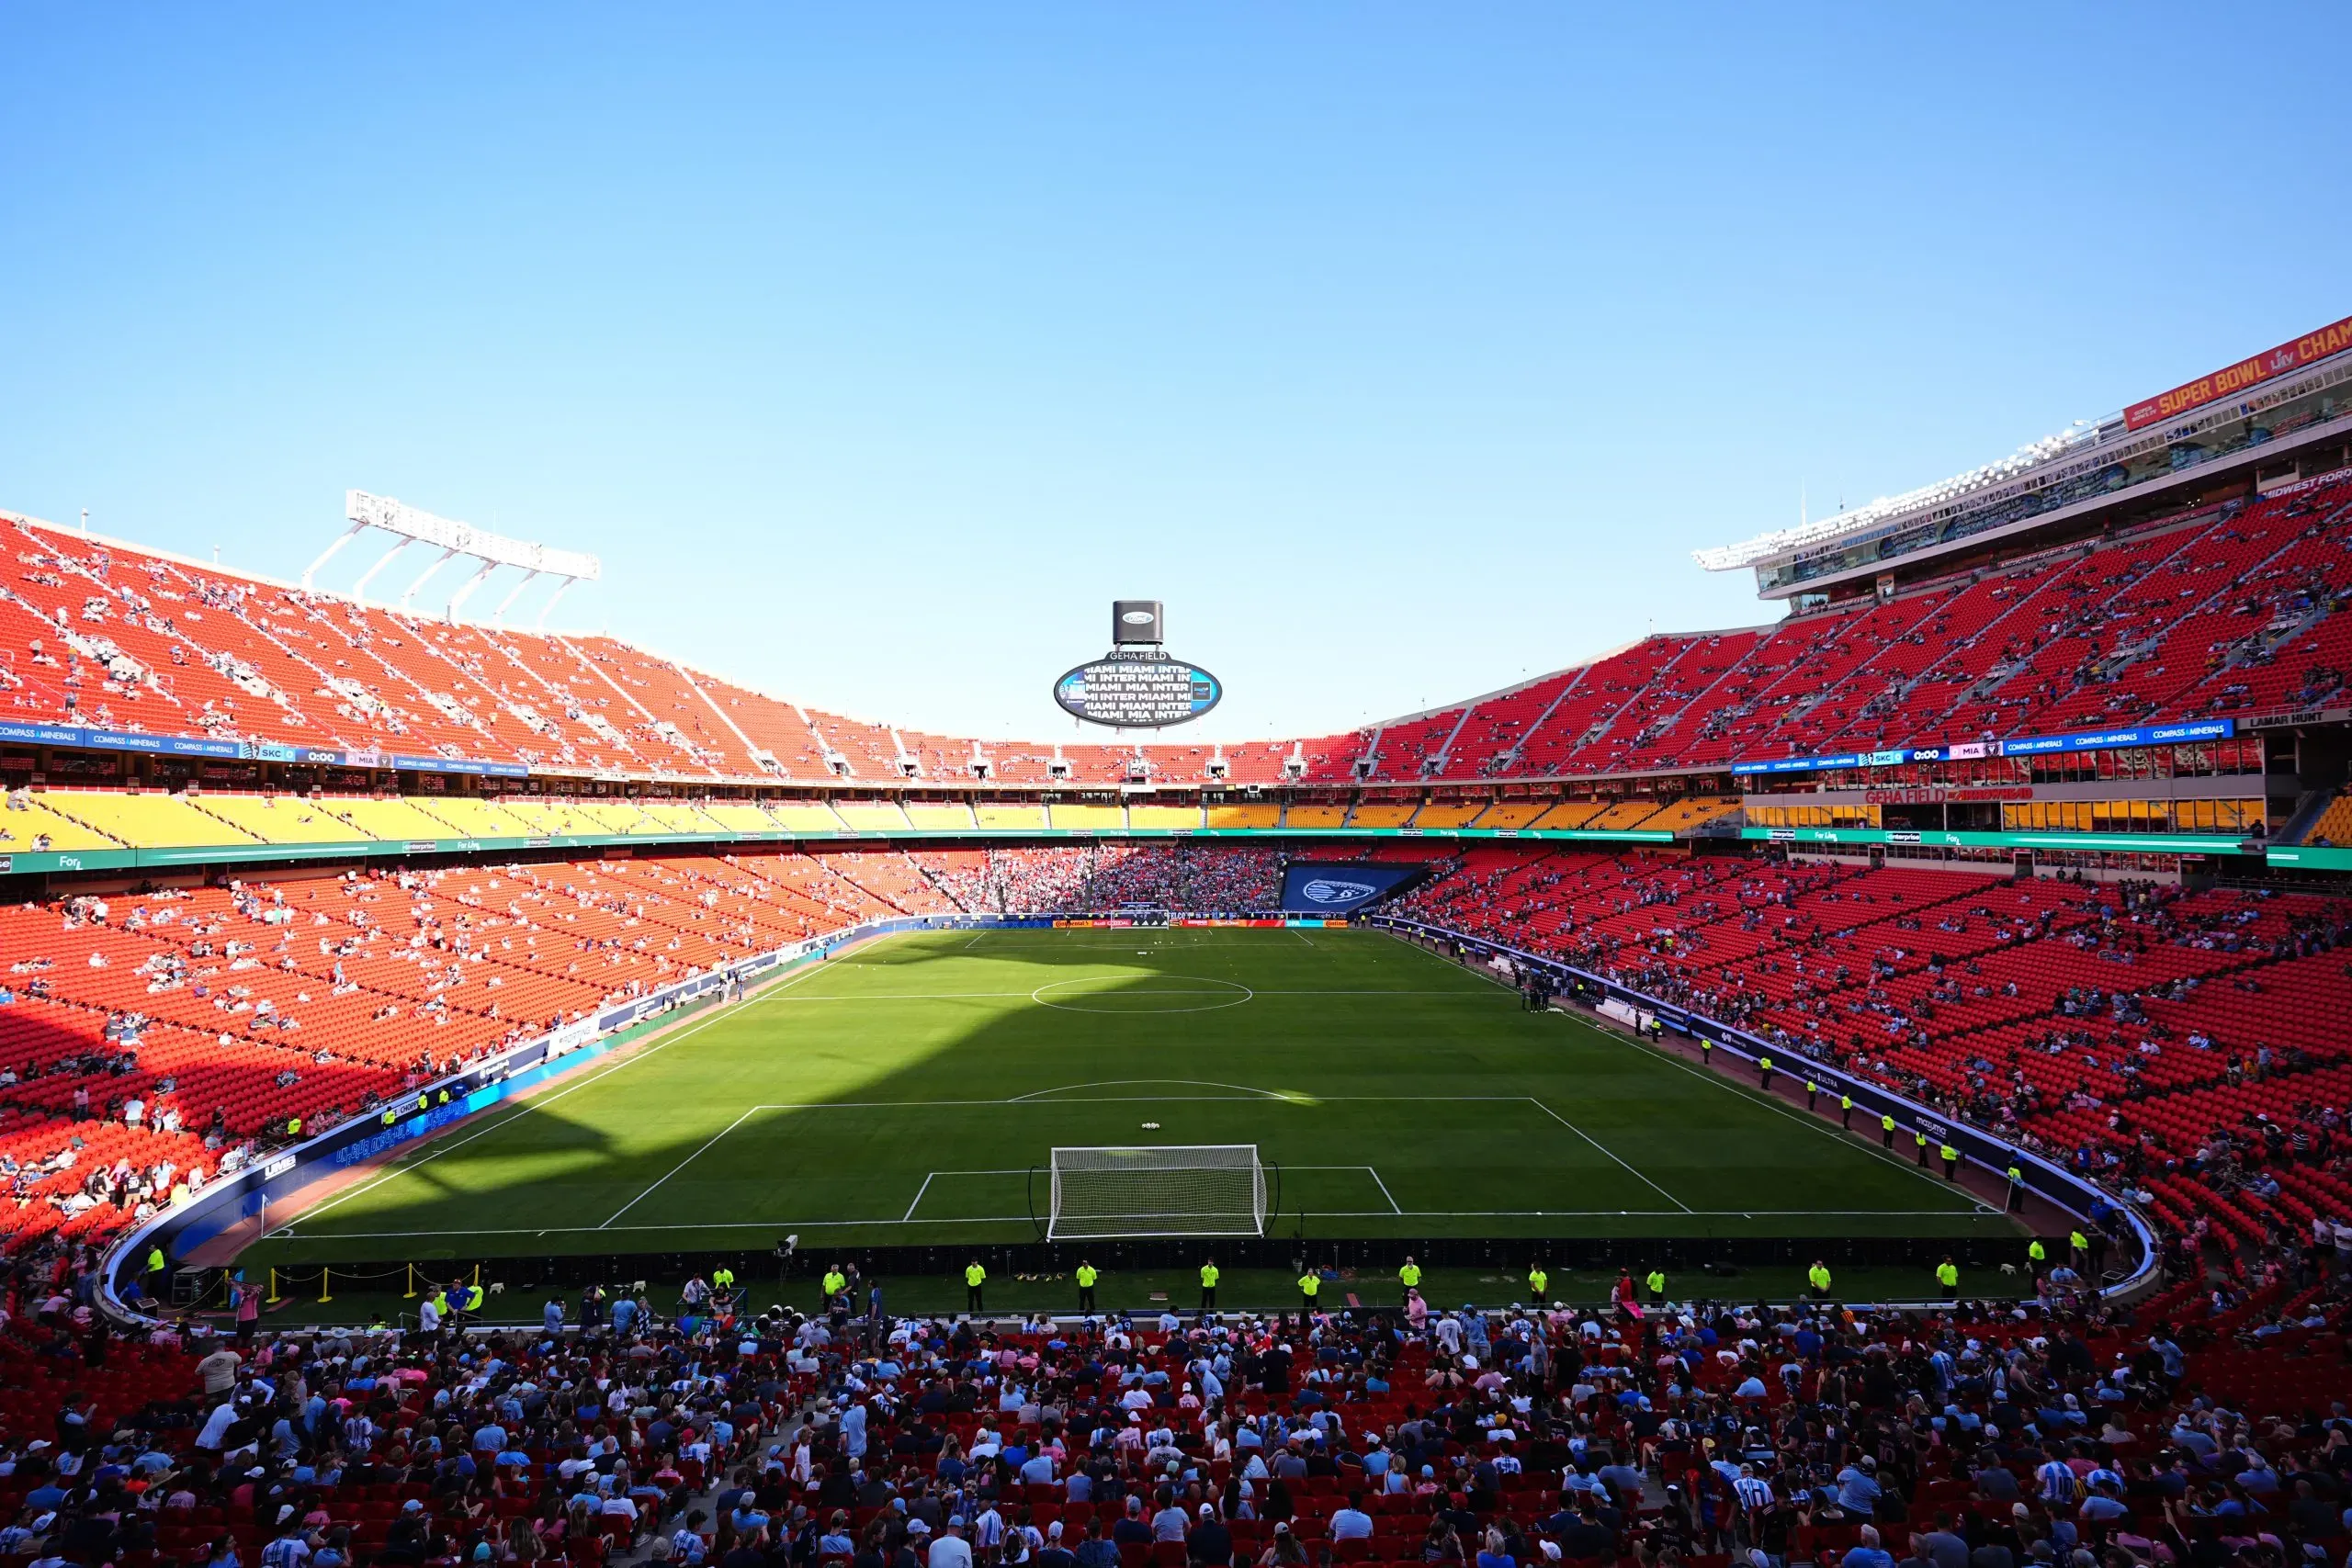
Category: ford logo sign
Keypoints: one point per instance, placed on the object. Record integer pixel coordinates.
(1138, 617)
(1321, 891)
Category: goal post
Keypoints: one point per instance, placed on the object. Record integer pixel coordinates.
(1109, 1193)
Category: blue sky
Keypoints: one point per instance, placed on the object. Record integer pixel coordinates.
(1401, 350)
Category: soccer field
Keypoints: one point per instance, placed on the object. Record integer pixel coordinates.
(901, 1093)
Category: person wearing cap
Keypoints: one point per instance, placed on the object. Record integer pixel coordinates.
(1310, 1283)
(1086, 1275)
(1208, 1284)
(1537, 1280)
(1948, 1277)
(950, 1550)
(975, 1277)
(1210, 1544)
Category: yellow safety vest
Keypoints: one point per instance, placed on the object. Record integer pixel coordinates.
(155, 1259)
(1411, 1275)
(973, 1274)
(1947, 1275)
(1886, 1124)
(1208, 1276)
(836, 1281)
(1819, 1275)
(2076, 1240)
(1765, 1063)
(1537, 1280)
(1948, 1154)
(1087, 1275)
(1657, 1283)
(1308, 1284)
(294, 1128)
(1845, 1102)
(722, 1277)
(2035, 1250)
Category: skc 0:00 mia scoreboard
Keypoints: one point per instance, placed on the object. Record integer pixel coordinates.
(1138, 694)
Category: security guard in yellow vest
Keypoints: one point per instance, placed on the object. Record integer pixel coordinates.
(974, 1278)
(2080, 1245)
(1086, 1275)
(294, 1127)
(723, 1281)
(1208, 1286)
(1409, 1276)
(1846, 1111)
(1309, 1284)
(1886, 1131)
(836, 1283)
(2016, 1187)
(1657, 1283)
(1948, 1276)
(156, 1262)
(1812, 1094)
(1920, 1134)
(1818, 1278)
(2037, 1256)
(1764, 1071)
(1537, 1281)
(1706, 1052)
(1951, 1156)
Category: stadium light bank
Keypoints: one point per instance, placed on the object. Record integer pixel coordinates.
(409, 526)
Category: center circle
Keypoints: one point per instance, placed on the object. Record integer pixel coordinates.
(1191, 996)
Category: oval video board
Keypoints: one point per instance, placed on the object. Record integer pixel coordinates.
(1138, 694)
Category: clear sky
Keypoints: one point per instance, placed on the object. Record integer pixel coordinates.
(1403, 350)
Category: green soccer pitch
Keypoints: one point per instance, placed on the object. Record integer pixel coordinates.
(900, 1094)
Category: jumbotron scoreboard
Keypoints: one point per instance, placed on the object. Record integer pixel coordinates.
(1138, 684)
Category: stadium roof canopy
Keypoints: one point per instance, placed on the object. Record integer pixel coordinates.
(2287, 395)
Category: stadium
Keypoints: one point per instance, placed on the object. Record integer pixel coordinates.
(338, 931)
(1865, 1084)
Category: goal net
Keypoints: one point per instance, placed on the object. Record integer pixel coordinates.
(1198, 1190)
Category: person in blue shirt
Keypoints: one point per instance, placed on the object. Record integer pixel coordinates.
(1869, 1553)
(1858, 1487)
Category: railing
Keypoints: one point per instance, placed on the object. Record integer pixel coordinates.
(2052, 1183)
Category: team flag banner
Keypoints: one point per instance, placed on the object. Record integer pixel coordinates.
(1340, 888)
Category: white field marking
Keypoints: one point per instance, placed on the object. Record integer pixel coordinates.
(1302, 936)
(539, 1102)
(1384, 1191)
(1120, 1083)
(1818, 1124)
(1597, 1143)
(1025, 1219)
(1806, 1119)
(682, 1165)
(926, 1187)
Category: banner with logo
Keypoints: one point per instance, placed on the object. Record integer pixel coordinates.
(2309, 349)
(1341, 889)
